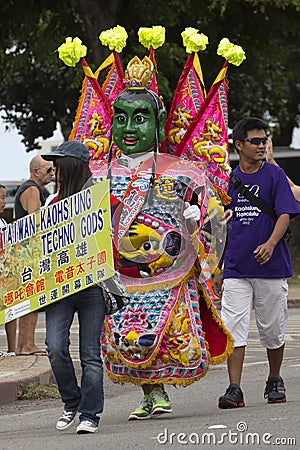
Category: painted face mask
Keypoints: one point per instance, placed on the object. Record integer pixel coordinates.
(134, 126)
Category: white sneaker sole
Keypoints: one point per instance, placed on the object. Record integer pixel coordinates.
(81, 429)
(135, 417)
(160, 410)
(66, 426)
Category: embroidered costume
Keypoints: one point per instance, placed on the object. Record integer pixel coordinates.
(170, 332)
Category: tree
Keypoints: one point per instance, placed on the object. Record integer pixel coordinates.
(37, 90)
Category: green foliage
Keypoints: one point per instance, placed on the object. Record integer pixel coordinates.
(37, 90)
(33, 82)
(257, 5)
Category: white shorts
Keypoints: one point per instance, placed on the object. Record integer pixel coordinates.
(268, 297)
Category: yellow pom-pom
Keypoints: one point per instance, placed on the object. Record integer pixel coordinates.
(224, 46)
(154, 36)
(234, 54)
(71, 51)
(193, 40)
(114, 38)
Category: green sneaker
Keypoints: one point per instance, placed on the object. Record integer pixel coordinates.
(161, 402)
(143, 411)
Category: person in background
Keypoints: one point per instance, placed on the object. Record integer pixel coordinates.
(30, 197)
(270, 158)
(256, 262)
(10, 327)
(73, 174)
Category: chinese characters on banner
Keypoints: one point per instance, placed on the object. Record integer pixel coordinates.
(59, 250)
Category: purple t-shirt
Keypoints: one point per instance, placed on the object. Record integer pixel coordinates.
(251, 227)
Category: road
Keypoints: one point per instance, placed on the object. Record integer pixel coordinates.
(196, 421)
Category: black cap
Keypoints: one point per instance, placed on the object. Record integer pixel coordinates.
(69, 148)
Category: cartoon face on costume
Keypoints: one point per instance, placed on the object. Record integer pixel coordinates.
(141, 243)
(146, 249)
(134, 125)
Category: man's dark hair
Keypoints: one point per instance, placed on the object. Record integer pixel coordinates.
(2, 187)
(239, 132)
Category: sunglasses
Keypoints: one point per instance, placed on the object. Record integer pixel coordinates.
(256, 140)
(50, 169)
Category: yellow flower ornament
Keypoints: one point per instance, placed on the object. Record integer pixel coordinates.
(154, 36)
(234, 54)
(193, 40)
(71, 51)
(114, 38)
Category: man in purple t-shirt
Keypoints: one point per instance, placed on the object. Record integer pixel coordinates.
(256, 262)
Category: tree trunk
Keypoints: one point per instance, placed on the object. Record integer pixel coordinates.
(97, 15)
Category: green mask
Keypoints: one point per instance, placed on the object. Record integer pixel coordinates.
(134, 126)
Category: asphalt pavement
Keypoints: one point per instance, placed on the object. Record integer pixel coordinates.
(17, 371)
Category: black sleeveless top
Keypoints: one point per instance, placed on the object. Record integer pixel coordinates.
(19, 210)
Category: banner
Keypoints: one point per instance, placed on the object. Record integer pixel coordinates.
(57, 251)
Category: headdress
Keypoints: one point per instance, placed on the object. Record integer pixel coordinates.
(196, 126)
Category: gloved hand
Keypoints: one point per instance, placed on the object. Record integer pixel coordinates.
(191, 212)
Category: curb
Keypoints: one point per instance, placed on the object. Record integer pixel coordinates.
(38, 372)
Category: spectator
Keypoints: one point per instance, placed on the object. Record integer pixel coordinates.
(256, 262)
(29, 198)
(270, 159)
(10, 327)
(72, 162)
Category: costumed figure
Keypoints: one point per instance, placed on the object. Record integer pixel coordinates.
(169, 177)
